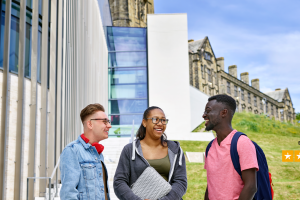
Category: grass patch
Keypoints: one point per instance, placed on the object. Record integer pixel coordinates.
(200, 128)
(273, 137)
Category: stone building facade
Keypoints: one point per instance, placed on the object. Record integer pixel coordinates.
(207, 74)
(131, 13)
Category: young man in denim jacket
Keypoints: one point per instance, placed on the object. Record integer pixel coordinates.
(83, 172)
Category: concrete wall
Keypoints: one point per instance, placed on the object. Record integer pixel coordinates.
(198, 102)
(168, 68)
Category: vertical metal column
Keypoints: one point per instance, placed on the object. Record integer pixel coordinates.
(63, 78)
(52, 88)
(58, 103)
(21, 106)
(33, 99)
(44, 98)
(5, 102)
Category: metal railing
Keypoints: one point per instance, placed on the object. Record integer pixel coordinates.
(49, 178)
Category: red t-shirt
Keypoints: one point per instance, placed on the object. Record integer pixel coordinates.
(223, 182)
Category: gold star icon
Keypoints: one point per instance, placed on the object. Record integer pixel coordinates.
(287, 155)
(297, 155)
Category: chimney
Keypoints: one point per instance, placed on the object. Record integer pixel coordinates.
(255, 83)
(220, 62)
(233, 70)
(191, 40)
(245, 77)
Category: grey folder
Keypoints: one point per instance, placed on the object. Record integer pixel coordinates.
(151, 185)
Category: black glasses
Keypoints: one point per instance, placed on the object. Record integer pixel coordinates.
(105, 121)
(156, 120)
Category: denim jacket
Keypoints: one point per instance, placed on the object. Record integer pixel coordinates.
(81, 172)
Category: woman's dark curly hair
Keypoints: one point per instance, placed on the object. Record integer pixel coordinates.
(141, 133)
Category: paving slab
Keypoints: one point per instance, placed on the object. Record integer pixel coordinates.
(197, 157)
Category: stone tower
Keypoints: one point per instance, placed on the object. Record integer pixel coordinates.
(130, 13)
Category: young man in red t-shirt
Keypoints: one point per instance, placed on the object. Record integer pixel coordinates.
(223, 182)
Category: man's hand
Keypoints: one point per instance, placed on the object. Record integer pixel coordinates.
(250, 187)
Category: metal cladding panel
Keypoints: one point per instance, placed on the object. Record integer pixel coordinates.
(11, 137)
(168, 67)
(78, 76)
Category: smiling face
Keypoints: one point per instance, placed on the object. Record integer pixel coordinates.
(212, 114)
(98, 127)
(154, 131)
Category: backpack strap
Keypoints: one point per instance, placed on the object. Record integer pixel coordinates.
(208, 147)
(234, 153)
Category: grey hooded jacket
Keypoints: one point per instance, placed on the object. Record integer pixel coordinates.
(132, 164)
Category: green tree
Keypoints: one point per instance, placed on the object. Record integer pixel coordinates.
(297, 116)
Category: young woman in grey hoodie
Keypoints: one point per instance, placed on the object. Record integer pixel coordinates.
(151, 148)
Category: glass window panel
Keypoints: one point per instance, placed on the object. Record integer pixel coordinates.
(3, 6)
(126, 119)
(127, 75)
(127, 106)
(14, 45)
(2, 38)
(127, 59)
(123, 130)
(28, 52)
(128, 91)
(28, 17)
(40, 7)
(29, 3)
(122, 124)
(15, 10)
(126, 39)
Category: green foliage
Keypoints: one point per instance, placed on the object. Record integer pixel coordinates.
(297, 116)
(248, 122)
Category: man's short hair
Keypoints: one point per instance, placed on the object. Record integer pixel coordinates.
(228, 101)
(89, 110)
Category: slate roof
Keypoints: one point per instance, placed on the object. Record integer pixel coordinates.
(194, 46)
(277, 95)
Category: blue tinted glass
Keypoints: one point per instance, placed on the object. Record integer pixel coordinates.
(128, 91)
(2, 38)
(126, 39)
(127, 75)
(29, 3)
(40, 7)
(3, 5)
(28, 17)
(127, 106)
(125, 119)
(14, 45)
(39, 57)
(127, 59)
(15, 10)
(28, 51)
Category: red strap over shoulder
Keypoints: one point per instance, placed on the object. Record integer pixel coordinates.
(272, 191)
(99, 147)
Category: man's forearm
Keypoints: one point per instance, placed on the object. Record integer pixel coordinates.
(206, 195)
(248, 192)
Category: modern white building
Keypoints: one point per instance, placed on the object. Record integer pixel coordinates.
(57, 56)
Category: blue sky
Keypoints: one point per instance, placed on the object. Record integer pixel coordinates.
(261, 37)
